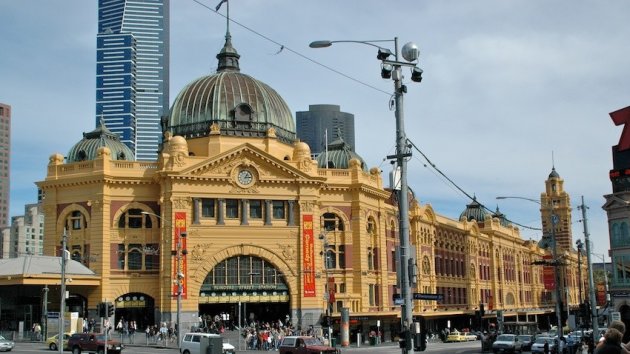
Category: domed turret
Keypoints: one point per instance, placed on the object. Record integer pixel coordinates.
(553, 173)
(339, 155)
(503, 220)
(88, 148)
(238, 103)
(474, 210)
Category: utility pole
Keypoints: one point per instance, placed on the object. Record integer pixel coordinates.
(591, 283)
(62, 306)
(45, 312)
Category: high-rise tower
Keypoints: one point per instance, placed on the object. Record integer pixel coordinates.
(312, 126)
(5, 159)
(555, 203)
(132, 71)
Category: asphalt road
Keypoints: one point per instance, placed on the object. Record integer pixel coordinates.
(450, 348)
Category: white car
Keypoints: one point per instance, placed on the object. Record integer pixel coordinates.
(507, 343)
(191, 343)
(6, 345)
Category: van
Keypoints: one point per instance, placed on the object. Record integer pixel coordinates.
(191, 343)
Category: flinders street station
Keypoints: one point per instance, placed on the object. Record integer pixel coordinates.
(238, 215)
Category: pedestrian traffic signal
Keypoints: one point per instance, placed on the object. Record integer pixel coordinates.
(405, 340)
(110, 309)
(102, 311)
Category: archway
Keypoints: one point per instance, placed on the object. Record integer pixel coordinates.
(245, 285)
(136, 307)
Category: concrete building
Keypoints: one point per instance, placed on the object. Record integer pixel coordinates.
(269, 232)
(617, 208)
(25, 236)
(132, 71)
(5, 163)
(324, 122)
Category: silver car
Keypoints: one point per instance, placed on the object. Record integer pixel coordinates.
(538, 346)
(6, 345)
(507, 343)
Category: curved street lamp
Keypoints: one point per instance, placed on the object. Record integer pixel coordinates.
(555, 262)
(179, 253)
(392, 69)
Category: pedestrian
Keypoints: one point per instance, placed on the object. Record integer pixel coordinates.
(612, 342)
(546, 347)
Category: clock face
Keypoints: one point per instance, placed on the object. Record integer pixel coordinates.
(245, 177)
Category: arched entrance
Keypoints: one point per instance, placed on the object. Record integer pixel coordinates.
(137, 307)
(248, 285)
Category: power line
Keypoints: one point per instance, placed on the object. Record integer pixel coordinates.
(284, 47)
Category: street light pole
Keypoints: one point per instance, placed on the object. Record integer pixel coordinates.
(589, 260)
(393, 69)
(62, 307)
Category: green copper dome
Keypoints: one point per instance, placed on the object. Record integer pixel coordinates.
(474, 210)
(87, 148)
(238, 103)
(338, 156)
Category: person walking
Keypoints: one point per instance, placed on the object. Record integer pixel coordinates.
(546, 347)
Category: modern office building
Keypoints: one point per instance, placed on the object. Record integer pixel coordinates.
(617, 208)
(323, 124)
(25, 236)
(132, 71)
(269, 231)
(5, 163)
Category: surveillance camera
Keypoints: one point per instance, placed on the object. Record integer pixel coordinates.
(69, 280)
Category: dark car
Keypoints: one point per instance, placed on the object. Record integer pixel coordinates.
(93, 343)
(303, 345)
(526, 341)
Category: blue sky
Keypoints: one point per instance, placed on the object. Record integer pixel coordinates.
(506, 84)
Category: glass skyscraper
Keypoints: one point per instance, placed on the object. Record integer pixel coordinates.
(132, 61)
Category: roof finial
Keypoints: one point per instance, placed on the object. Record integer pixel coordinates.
(228, 57)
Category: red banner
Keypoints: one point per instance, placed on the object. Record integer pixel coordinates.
(601, 294)
(180, 227)
(549, 275)
(308, 256)
(331, 290)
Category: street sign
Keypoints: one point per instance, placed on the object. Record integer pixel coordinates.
(614, 315)
(420, 296)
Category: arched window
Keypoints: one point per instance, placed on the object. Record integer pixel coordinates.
(76, 221)
(134, 257)
(624, 237)
(332, 222)
(135, 219)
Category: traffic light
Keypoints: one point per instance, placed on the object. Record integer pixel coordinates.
(482, 309)
(326, 321)
(110, 309)
(102, 312)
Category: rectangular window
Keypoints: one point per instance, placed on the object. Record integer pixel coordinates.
(207, 208)
(231, 208)
(152, 257)
(255, 209)
(121, 256)
(341, 253)
(278, 210)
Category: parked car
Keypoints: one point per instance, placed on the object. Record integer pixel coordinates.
(526, 341)
(191, 343)
(456, 336)
(93, 343)
(469, 336)
(507, 343)
(6, 345)
(303, 345)
(53, 342)
(539, 345)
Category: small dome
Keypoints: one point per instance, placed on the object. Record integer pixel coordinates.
(238, 103)
(88, 148)
(301, 151)
(338, 156)
(553, 173)
(502, 218)
(474, 210)
(178, 144)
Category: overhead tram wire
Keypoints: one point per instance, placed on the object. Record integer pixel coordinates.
(389, 94)
(430, 163)
(285, 48)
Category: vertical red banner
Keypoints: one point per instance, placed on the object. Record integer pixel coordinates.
(308, 256)
(180, 227)
(549, 274)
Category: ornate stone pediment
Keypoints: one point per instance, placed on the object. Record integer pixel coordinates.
(261, 164)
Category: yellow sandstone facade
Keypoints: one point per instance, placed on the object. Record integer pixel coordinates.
(270, 233)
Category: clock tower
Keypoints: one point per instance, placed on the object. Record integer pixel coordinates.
(555, 211)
